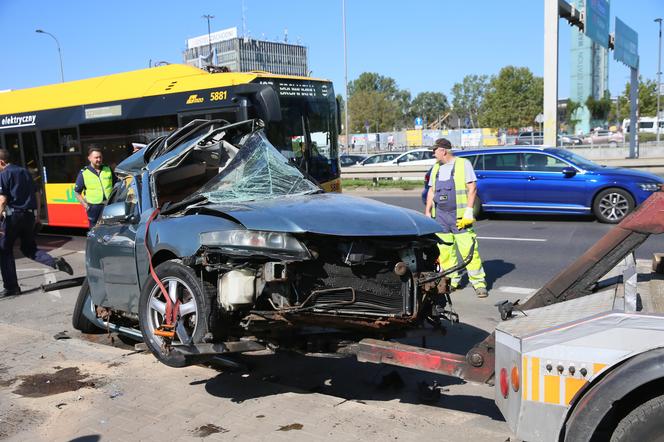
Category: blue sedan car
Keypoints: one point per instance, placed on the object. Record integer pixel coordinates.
(554, 181)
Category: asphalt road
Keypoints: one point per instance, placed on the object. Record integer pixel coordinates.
(523, 252)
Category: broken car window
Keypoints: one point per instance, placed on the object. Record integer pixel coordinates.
(258, 171)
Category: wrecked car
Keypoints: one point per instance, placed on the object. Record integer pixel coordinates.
(213, 242)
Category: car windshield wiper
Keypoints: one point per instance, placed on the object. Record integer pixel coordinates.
(175, 207)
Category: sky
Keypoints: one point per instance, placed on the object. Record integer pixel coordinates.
(425, 45)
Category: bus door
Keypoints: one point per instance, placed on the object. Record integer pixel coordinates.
(24, 151)
(13, 145)
(31, 161)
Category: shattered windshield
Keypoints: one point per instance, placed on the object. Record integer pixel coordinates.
(258, 171)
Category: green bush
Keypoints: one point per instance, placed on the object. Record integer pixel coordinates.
(644, 137)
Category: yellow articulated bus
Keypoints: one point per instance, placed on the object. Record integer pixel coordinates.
(49, 129)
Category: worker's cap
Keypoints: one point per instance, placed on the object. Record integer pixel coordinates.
(441, 142)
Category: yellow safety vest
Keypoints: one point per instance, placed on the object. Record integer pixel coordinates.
(97, 187)
(459, 186)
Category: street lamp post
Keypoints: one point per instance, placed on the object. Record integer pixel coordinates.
(659, 75)
(62, 72)
(343, 13)
(208, 17)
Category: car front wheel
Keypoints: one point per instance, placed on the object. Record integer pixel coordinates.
(194, 299)
(84, 302)
(612, 205)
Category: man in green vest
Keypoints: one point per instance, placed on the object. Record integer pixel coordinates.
(452, 193)
(93, 185)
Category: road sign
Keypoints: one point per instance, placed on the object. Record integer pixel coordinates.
(626, 45)
(597, 21)
(418, 121)
(539, 118)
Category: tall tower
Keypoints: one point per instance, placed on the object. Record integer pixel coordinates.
(589, 72)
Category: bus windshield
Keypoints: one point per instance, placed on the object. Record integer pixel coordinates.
(307, 132)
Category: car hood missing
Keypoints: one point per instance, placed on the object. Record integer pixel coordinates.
(327, 214)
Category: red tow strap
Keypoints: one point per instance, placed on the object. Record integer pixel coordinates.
(171, 315)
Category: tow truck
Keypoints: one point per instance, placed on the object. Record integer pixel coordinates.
(583, 358)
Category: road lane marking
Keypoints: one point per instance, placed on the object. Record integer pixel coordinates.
(49, 278)
(500, 238)
(516, 290)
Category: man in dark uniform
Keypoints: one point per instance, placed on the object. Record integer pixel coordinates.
(93, 185)
(18, 204)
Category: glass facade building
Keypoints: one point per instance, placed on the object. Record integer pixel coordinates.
(589, 73)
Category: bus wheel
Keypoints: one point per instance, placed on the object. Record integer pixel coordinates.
(645, 422)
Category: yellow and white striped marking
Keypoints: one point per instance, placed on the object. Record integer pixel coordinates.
(551, 387)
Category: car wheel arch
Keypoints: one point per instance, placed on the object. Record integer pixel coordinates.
(611, 185)
(163, 255)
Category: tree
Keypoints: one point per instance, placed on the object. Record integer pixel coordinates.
(429, 106)
(377, 99)
(599, 109)
(647, 100)
(468, 97)
(513, 99)
(569, 119)
(374, 108)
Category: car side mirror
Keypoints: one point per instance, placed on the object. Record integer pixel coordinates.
(116, 212)
(569, 171)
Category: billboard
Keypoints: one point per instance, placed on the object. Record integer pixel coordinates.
(626, 45)
(597, 21)
(202, 40)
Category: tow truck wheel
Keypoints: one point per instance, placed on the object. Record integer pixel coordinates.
(84, 301)
(644, 423)
(195, 299)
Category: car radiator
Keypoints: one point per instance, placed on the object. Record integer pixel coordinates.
(380, 294)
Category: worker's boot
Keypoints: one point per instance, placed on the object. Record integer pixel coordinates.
(63, 266)
(481, 292)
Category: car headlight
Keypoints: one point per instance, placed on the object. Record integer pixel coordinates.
(254, 240)
(650, 187)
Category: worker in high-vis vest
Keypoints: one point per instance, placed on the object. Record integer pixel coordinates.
(93, 185)
(452, 193)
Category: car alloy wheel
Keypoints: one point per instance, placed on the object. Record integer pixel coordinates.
(195, 296)
(178, 290)
(614, 206)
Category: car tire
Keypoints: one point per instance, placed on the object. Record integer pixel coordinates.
(193, 326)
(612, 205)
(477, 208)
(613, 144)
(78, 319)
(645, 422)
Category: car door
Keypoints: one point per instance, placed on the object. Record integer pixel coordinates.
(425, 158)
(501, 182)
(549, 188)
(409, 158)
(111, 252)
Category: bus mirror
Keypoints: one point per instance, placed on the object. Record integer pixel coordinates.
(338, 115)
(265, 100)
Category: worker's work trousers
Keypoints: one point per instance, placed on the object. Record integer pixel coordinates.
(19, 226)
(448, 257)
